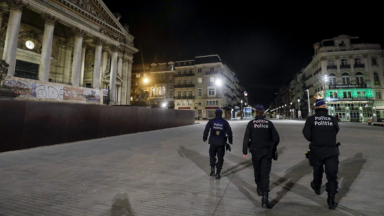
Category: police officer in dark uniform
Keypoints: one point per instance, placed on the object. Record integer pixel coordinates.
(217, 139)
(321, 130)
(262, 136)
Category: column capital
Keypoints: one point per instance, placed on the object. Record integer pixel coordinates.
(78, 32)
(17, 5)
(98, 41)
(49, 19)
(114, 48)
(84, 44)
(126, 60)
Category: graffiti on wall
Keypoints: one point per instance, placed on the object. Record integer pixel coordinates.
(31, 89)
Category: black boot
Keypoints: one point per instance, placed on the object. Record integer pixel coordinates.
(212, 171)
(316, 189)
(259, 193)
(218, 176)
(331, 202)
(265, 201)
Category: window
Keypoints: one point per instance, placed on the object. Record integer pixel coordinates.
(359, 78)
(210, 103)
(200, 80)
(184, 93)
(153, 91)
(211, 69)
(178, 103)
(190, 82)
(345, 78)
(199, 70)
(160, 91)
(211, 91)
(376, 78)
(349, 95)
(190, 71)
(184, 82)
(179, 82)
(170, 78)
(184, 71)
(332, 79)
(374, 61)
(179, 72)
(357, 61)
(212, 80)
(331, 63)
(190, 103)
(184, 102)
(344, 94)
(178, 94)
(137, 75)
(190, 93)
(170, 91)
(199, 92)
(344, 62)
(378, 95)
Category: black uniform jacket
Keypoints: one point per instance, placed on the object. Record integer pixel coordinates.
(263, 136)
(219, 129)
(321, 129)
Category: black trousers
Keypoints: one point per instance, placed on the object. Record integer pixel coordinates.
(262, 165)
(331, 164)
(220, 152)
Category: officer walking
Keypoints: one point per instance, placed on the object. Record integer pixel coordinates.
(263, 137)
(217, 139)
(321, 130)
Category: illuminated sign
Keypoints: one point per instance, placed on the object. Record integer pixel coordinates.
(347, 86)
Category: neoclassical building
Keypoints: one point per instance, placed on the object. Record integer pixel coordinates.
(66, 50)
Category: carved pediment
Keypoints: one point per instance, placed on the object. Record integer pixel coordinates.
(98, 9)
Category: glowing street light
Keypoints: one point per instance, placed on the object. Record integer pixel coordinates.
(164, 104)
(219, 83)
(146, 80)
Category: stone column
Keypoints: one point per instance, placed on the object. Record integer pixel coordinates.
(352, 63)
(125, 82)
(76, 65)
(10, 45)
(46, 51)
(129, 80)
(84, 46)
(120, 66)
(104, 63)
(97, 65)
(112, 81)
(67, 63)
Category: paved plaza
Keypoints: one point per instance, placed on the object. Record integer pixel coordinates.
(165, 172)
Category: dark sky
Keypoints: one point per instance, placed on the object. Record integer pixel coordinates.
(264, 44)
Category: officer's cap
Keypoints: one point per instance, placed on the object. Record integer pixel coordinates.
(218, 111)
(260, 107)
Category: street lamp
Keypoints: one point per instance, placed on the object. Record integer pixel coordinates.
(146, 80)
(298, 111)
(241, 110)
(164, 104)
(309, 107)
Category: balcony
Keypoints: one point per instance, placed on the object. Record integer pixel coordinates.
(185, 86)
(185, 97)
(185, 75)
(358, 66)
(211, 72)
(345, 66)
(330, 67)
(158, 96)
(227, 95)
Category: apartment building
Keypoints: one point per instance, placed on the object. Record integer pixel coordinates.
(348, 74)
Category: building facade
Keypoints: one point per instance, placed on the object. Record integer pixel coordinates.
(157, 79)
(202, 84)
(69, 46)
(348, 74)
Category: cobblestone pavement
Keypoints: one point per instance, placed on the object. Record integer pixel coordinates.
(165, 172)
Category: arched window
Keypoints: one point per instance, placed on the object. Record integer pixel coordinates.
(359, 78)
(345, 77)
(332, 79)
(376, 78)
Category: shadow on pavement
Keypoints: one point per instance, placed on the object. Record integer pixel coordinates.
(121, 206)
(201, 161)
(245, 189)
(349, 170)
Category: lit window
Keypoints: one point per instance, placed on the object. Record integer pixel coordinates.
(212, 80)
(190, 103)
(178, 103)
(199, 80)
(137, 75)
(184, 103)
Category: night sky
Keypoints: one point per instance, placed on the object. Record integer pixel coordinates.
(264, 44)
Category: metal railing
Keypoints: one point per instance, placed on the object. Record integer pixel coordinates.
(185, 75)
(358, 66)
(184, 86)
(211, 72)
(185, 97)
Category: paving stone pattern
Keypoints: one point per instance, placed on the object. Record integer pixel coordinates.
(165, 172)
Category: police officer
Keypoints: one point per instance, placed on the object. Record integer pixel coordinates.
(321, 129)
(263, 137)
(217, 139)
